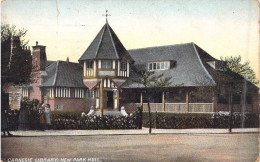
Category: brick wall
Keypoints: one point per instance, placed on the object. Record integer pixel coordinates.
(70, 104)
(35, 91)
(14, 96)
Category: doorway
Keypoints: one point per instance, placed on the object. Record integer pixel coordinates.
(110, 99)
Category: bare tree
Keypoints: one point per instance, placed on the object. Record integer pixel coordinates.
(149, 80)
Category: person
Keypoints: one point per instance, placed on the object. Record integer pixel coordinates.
(42, 118)
(47, 113)
(4, 121)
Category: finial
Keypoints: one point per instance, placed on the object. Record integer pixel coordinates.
(106, 15)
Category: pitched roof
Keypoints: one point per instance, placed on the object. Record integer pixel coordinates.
(63, 74)
(226, 77)
(188, 71)
(106, 45)
(49, 63)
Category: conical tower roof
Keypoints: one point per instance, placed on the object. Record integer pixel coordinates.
(106, 45)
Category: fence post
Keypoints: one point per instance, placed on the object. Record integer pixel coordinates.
(80, 123)
(155, 119)
(140, 117)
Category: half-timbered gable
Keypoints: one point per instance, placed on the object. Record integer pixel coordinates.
(106, 66)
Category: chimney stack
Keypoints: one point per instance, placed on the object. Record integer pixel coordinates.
(68, 60)
(36, 43)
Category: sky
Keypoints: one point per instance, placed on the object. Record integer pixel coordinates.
(66, 28)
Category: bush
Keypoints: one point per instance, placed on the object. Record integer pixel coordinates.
(73, 120)
(13, 120)
(197, 120)
(31, 109)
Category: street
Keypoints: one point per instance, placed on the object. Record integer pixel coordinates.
(170, 147)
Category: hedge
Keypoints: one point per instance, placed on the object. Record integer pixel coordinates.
(73, 120)
(197, 120)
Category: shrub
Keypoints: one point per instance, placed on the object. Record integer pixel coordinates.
(31, 109)
(73, 120)
(197, 120)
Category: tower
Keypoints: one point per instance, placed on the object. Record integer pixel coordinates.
(106, 66)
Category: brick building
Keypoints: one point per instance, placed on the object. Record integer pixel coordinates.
(103, 78)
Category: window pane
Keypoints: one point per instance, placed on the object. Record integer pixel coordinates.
(97, 93)
(154, 66)
(166, 65)
(162, 65)
(158, 65)
(106, 64)
(150, 67)
(90, 64)
(123, 66)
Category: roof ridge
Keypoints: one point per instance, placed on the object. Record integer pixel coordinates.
(196, 52)
(55, 76)
(112, 40)
(67, 62)
(161, 46)
(102, 36)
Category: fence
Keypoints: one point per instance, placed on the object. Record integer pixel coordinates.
(178, 107)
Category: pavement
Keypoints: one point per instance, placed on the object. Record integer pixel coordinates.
(143, 131)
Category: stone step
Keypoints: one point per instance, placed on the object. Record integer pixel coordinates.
(111, 113)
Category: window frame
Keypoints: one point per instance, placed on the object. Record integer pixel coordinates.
(90, 62)
(105, 62)
(161, 65)
(123, 66)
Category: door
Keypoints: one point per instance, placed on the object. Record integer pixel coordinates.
(110, 99)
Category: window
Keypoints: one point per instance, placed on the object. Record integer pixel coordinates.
(115, 93)
(158, 66)
(90, 64)
(236, 99)
(97, 93)
(249, 99)
(59, 107)
(162, 65)
(150, 67)
(154, 66)
(166, 65)
(106, 64)
(222, 99)
(123, 66)
(90, 94)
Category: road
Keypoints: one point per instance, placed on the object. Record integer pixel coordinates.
(170, 147)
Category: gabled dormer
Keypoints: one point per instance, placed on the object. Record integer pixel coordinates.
(106, 56)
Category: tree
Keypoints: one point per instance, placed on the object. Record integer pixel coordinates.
(235, 65)
(7, 31)
(15, 57)
(149, 81)
(236, 83)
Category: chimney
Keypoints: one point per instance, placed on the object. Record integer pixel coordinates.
(39, 58)
(68, 60)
